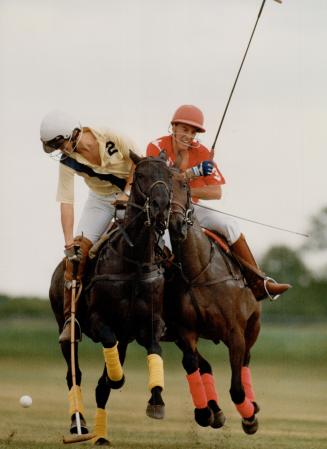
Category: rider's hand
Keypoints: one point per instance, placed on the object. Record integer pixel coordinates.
(120, 198)
(73, 252)
(205, 168)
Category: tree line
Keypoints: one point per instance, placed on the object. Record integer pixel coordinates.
(307, 300)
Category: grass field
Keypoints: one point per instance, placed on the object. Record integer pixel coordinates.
(289, 367)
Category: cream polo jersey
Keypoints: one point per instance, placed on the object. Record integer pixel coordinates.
(105, 179)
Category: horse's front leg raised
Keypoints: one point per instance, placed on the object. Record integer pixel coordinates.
(103, 333)
(75, 393)
(240, 390)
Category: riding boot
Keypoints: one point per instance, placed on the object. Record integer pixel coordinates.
(85, 245)
(260, 284)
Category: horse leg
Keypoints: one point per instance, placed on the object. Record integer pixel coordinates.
(74, 391)
(251, 335)
(102, 393)
(102, 332)
(203, 414)
(149, 339)
(211, 392)
(243, 404)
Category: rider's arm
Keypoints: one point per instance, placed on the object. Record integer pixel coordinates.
(123, 196)
(129, 181)
(67, 222)
(65, 196)
(207, 192)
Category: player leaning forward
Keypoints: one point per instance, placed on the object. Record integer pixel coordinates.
(101, 157)
(205, 182)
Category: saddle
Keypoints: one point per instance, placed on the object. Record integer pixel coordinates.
(113, 227)
(248, 271)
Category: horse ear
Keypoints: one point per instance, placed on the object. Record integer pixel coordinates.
(135, 157)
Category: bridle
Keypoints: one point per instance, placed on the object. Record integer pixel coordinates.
(186, 210)
(146, 208)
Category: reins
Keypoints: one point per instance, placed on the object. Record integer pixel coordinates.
(144, 270)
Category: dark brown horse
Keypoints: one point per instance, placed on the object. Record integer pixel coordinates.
(208, 298)
(123, 292)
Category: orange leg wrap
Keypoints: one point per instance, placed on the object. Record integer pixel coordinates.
(247, 383)
(246, 409)
(209, 386)
(197, 389)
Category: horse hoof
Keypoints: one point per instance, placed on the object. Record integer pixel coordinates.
(155, 411)
(100, 441)
(256, 408)
(250, 425)
(219, 420)
(116, 384)
(203, 416)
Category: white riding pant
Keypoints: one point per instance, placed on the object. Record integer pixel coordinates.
(213, 220)
(216, 221)
(98, 212)
(96, 216)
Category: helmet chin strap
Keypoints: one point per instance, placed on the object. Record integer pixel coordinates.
(194, 144)
(74, 143)
(60, 154)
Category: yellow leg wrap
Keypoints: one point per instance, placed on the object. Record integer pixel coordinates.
(100, 424)
(79, 407)
(156, 372)
(114, 368)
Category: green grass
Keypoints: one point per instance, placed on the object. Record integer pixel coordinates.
(289, 373)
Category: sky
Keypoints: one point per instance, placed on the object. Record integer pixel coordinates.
(128, 65)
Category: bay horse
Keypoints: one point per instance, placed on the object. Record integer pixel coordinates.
(208, 298)
(122, 299)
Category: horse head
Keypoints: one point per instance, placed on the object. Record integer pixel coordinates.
(151, 190)
(182, 210)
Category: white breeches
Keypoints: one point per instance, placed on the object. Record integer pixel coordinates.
(96, 216)
(223, 224)
(210, 219)
(98, 213)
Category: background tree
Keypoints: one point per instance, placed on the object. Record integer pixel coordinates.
(317, 232)
(306, 301)
(285, 264)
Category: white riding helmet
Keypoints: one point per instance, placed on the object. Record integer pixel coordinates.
(58, 123)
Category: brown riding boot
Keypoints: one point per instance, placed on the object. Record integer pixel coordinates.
(260, 284)
(84, 245)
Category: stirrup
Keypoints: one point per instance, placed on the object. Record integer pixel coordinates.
(77, 340)
(266, 279)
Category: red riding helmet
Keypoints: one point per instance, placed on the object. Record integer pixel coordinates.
(190, 115)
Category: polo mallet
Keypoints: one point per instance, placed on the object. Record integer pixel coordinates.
(79, 436)
(212, 152)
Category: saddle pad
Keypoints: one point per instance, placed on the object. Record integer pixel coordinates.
(230, 269)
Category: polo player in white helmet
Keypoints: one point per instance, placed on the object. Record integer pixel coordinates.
(101, 157)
